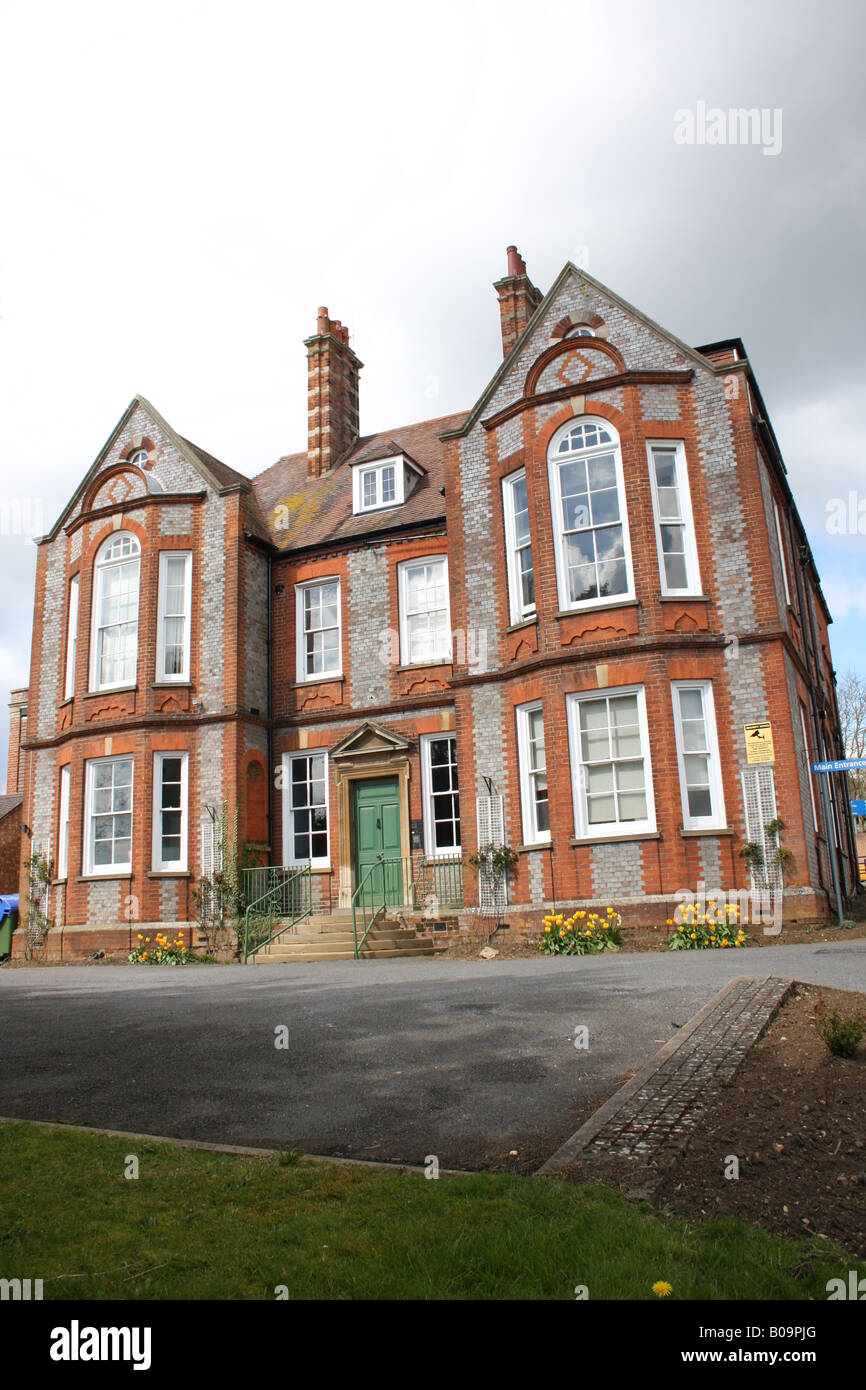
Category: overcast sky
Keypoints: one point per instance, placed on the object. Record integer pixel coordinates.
(184, 183)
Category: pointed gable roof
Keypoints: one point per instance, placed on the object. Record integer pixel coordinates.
(570, 272)
(218, 476)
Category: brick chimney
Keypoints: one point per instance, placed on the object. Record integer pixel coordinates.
(518, 300)
(333, 394)
(15, 767)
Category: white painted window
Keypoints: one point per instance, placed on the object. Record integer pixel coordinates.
(610, 760)
(71, 638)
(518, 541)
(139, 458)
(173, 619)
(380, 484)
(582, 330)
(305, 808)
(441, 794)
(533, 774)
(170, 814)
(593, 557)
(425, 613)
(809, 773)
(782, 557)
(674, 525)
(63, 826)
(108, 816)
(700, 770)
(114, 650)
(318, 629)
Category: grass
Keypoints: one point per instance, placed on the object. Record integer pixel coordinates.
(200, 1225)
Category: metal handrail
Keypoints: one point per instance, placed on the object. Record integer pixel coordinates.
(380, 864)
(275, 897)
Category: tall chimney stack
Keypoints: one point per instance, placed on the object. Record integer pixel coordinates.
(333, 371)
(518, 300)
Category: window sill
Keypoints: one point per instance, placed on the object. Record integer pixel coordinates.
(185, 684)
(122, 876)
(593, 607)
(699, 834)
(314, 868)
(168, 873)
(319, 680)
(529, 849)
(524, 622)
(615, 839)
(108, 690)
(684, 598)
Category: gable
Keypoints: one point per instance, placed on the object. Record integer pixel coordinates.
(575, 296)
(163, 462)
(370, 739)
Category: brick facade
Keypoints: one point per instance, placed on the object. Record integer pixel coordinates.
(578, 353)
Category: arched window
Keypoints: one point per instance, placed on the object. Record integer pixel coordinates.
(581, 330)
(589, 514)
(114, 650)
(139, 459)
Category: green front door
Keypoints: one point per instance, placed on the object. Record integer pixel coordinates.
(377, 835)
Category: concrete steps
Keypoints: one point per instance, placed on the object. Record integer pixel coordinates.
(331, 938)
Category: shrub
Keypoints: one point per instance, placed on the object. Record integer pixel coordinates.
(842, 1033)
(580, 934)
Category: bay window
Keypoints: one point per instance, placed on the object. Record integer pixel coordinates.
(593, 557)
(114, 652)
(610, 761)
(108, 816)
(521, 580)
(170, 801)
(533, 774)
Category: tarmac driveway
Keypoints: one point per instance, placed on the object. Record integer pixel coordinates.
(391, 1060)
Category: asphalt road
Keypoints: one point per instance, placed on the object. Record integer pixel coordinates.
(391, 1060)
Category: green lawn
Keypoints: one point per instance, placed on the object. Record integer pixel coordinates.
(205, 1225)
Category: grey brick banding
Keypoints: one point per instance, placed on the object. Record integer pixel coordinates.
(104, 903)
(659, 403)
(210, 770)
(477, 508)
(255, 630)
(509, 437)
(212, 607)
(168, 900)
(536, 878)
(488, 725)
(369, 617)
(52, 655)
(617, 870)
(658, 1109)
(175, 521)
(709, 857)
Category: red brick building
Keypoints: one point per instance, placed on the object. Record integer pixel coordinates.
(554, 620)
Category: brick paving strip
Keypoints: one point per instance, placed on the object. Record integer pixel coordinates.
(656, 1111)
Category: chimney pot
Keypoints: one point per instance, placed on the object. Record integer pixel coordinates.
(518, 299)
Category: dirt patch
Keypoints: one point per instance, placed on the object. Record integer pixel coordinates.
(515, 945)
(794, 1117)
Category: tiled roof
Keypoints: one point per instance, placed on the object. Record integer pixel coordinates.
(8, 804)
(300, 511)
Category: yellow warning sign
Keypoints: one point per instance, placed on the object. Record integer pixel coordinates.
(759, 742)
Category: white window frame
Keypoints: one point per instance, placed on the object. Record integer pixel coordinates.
(92, 869)
(608, 830)
(377, 468)
(686, 519)
(63, 824)
(519, 609)
(100, 564)
(431, 849)
(716, 820)
(289, 860)
(182, 676)
(782, 557)
(555, 483)
(71, 636)
(172, 866)
(532, 835)
(809, 773)
(300, 643)
(403, 593)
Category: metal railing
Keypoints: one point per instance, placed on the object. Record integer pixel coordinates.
(287, 898)
(416, 883)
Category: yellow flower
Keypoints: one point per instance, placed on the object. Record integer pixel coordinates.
(140, 937)
(680, 927)
(694, 936)
(662, 1289)
(547, 929)
(669, 922)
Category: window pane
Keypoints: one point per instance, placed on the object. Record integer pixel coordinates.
(676, 575)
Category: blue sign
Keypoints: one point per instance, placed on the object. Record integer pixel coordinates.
(858, 808)
(841, 765)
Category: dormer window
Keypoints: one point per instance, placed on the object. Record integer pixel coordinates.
(379, 484)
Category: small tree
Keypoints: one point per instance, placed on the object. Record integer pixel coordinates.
(219, 895)
(39, 871)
